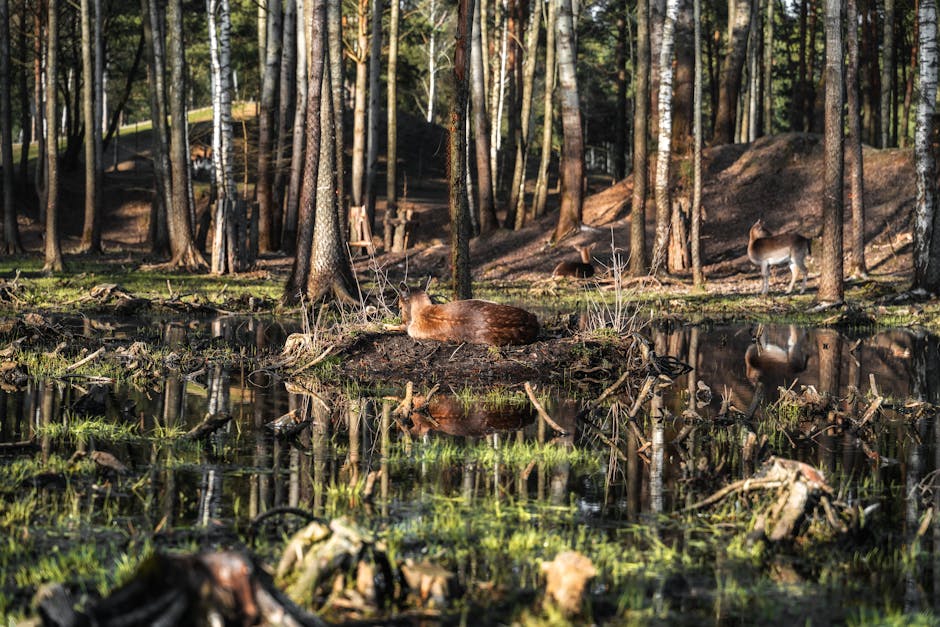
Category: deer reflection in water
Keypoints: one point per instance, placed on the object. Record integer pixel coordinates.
(773, 364)
(451, 415)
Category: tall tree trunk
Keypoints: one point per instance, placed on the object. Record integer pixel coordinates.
(391, 165)
(572, 165)
(926, 215)
(40, 175)
(289, 232)
(698, 277)
(334, 17)
(11, 238)
(731, 71)
(372, 141)
(830, 280)
(638, 262)
(768, 89)
(663, 152)
(156, 73)
(887, 73)
(26, 118)
(266, 127)
(853, 143)
(498, 91)
(53, 254)
(528, 84)
(684, 75)
(459, 211)
(541, 183)
(481, 129)
(909, 85)
(91, 233)
(620, 122)
(357, 176)
(182, 245)
(296, 288)
(809, 87)
(285, 116)
(515, 27)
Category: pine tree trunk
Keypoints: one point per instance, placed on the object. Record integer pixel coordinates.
(887, 73)
(481, 129)
(620, 122)
(53, 249)
(663, 152)
(830, 280)
(296, 287)
(698, 277)
(391, 165)
(266, 127)
(459, 211)
(179, 217)
(638, 261)
(853, 143)
(26, 118)
(731, 71)
(541, 183)
(91, 233)
(39, 181)
(334, 17)
(528, 85)
(357, 176)
(285, 116)
(159, 224)
(289, 231)
(909, 85)
(572, 163)
(514, 26)
(926, 215)
(372, 141)
(768, 89)
(11, 240)
(683, 84)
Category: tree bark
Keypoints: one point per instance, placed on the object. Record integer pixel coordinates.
(683, 84)
(515, 27)
(887, 73)
(853, 143)
(926, 216)
(830, 280)
(663, 152)
(459, 211)
(698, 277)
(183, 248)
(481, 128)
(53, 254)
(372, 141)
(289, 231)
(91, 233)
(731, 71)
(620, 122)
(528, 85)
(572, 168)
(541, 183)
(163, 198)
(266, 126)
(11, 238)
(285, 117)
(334, 17)
(638, 262)
(357, 176)
(768, 89)
(391, 165)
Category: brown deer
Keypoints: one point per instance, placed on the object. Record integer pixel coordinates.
(765, 249)
(473, 321)
(580, 269)
(775, 364)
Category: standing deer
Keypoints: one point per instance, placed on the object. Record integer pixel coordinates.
(580, 269)
(765, 249)
(473, 321)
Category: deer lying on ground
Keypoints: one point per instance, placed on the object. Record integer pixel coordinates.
(473, 321)
(580, 269)
(765, 249)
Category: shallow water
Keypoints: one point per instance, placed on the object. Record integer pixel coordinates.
(207, 493)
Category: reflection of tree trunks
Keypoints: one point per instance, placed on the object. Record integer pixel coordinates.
(829, 351)
(657, 453)
(384, 451)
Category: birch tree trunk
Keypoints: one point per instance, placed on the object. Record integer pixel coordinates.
(53, 254)
(926, 215)
(731, 71)
(698, 278)
(830, 279)
(481, 128)
(11, 238)
(641, 109)
(541, 183)
(498, 90)
(357, 176)
(179, 217)
(372, 141)
(266, 126)
(572, 163)
(528, 84)
(91, 233)
(887, 73)
(391, 165)
(163, 198)
(285, 116)
(664, 152)
(296, 288)
(461, 230)
(853, 143)
(289, 232)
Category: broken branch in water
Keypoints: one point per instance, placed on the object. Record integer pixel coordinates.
(541, 410)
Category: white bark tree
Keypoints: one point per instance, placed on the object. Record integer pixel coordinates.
(664, 149)
(926, 216)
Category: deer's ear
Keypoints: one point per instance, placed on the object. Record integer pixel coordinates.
(403, 289)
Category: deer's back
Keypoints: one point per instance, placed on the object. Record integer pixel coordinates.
(474, 321)
(577, 269)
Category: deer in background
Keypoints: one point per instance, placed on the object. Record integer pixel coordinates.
(579, 269)
(473, 321)
(765, 249)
